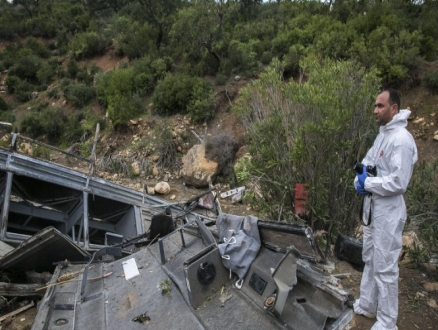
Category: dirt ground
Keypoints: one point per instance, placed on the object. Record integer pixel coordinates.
(414, 313)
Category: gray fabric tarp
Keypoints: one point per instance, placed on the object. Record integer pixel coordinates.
(239, 241)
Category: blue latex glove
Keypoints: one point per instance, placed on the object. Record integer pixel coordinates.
(361, 189)
(361, 177)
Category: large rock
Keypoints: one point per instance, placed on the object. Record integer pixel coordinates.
(162, 188)
(25, 148)
(409, 239)
(136, 168)
(197, 170)
(429, 287)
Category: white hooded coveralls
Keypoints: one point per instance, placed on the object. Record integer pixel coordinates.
(394, 154)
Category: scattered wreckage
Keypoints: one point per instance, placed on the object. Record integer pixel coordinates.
(118, 260)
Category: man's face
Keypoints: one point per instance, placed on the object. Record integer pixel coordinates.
(383, 111)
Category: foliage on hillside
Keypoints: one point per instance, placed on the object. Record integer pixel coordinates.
(310, 133)
(171, 45)
(343, 50)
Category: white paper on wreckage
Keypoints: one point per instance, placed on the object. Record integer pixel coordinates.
(130, 268)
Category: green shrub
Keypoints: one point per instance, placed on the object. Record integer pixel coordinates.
(220, 79)
(122, 108)
(21, 88)
(54, 62)
(81, 125)
(48, 121)
(3, 105)
(41, 25)
(73, 128)
(84, 76)
(72, 68)
(310, 133)
(431, 81)
(94, 69)
(143, 84)
(65, 83)
(266, 57)
(243, 56)
(428, 48)
(27, 68)
(79, 94)
(45, 73)
(31, 125)
(38, 48)
(241, 169)
(292, 59)
(173, 94)
(119, 90)
(11, 83)
(422, 201)
(23, 91)
(180, 93)
(101, 88)
(202, 105)
(160, 67)
(88, 44)
(8, 117)
(137, 41)
(62, 41)
(123, 65)
(53, 93)
(8, 28)
(41, 152)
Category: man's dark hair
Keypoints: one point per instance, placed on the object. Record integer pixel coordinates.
(393, 97)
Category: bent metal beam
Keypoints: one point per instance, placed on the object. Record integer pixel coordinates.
(37, 193)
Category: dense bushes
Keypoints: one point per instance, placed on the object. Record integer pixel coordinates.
(244, 56)
(89, 44)
(169, 53)
(431, 81)
(135, 40)
(117, 90)
(3, 105)
(79, 94)
(30, 68)
(51, 123)
(27, 68)
(48, 121)
(422, 196)
(180, 93)
(121, 90)
(310, 133)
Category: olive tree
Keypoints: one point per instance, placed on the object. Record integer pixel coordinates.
(200, 26)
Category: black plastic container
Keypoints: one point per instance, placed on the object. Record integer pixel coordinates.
(349, 249)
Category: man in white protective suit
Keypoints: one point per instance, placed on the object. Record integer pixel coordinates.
(394, 154)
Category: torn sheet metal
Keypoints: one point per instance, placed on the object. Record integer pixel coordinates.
(279, 236)
(200, 302)
(42, 250)
(35, 194)
(113, 303)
